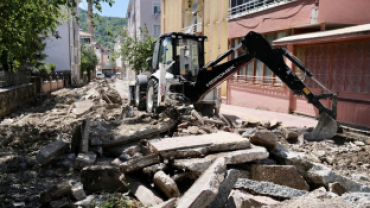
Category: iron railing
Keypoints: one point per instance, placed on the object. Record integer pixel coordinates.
(9, 78)
(256, 80)
(193, 28)
(253, 6)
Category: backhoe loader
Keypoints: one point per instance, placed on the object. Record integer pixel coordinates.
(182, 78)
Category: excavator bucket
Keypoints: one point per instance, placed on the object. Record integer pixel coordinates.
(326, 128)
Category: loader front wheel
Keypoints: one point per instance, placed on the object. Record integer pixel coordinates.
(152, 96)
(139, 100)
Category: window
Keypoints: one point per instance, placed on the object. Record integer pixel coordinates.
(243, 7)
(156, 8)
(156, 30)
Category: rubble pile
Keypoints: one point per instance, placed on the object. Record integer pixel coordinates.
(87, 148)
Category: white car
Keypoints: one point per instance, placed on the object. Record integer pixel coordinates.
(100, 76)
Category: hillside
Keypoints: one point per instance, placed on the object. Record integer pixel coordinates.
(113, 24)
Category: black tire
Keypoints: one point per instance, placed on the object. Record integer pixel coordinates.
(140, 102)
(152, 108)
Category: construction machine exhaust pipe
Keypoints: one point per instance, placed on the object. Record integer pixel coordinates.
(327, 126)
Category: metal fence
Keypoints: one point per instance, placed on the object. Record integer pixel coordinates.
(8, 79)
(253, 6)
(257, 80)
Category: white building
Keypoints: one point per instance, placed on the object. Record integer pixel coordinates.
(65, 51)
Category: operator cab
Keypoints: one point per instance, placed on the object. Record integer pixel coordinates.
(185, 50)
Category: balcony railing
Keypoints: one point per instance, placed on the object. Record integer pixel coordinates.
(195, 28)
(253, 6)
(256, 80)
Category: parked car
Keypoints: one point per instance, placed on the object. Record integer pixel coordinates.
(100, 76)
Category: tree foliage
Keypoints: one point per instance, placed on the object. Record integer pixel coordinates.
(113, 25)
(135, 51)
(89, 60)
(23, 24)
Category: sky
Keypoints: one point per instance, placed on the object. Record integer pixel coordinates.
(118, 9)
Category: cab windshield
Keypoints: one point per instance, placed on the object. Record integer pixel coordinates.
(187, 51)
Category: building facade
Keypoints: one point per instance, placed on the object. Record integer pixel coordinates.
(144, 13)
(203, 17)
(324, 35)
(65, 51)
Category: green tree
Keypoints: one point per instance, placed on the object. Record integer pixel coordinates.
(89, 60)
(23, 24)
(135, 51)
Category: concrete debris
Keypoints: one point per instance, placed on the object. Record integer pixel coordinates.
(149, 171)
(103, 177)
(268, 189)
(358, 200)
(56, 192)
(127, 112)
(224, 190)
(171, 203)
(80, 139)
(77, 192)
(290, 132)
(264, 138)
(337, 188)
(242, 199)
(234, 157)
(19, 204)
(51, 151)
(142, 191)
(85, 159)
(278, 174)
(82, 107)
(205, 189)
(139, 163)
(166, 184)
(198, 146)
(318, 198)
(177, 177)
(198, 116)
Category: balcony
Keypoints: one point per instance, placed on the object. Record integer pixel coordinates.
(253, 6)
(195, 28)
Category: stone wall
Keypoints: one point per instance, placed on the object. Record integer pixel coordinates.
(13, 97)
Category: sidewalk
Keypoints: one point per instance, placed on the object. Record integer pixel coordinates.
(286, 119)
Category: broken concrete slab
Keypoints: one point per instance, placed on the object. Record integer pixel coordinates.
(77, 192)
(80, 139)
(103, 177)
(166, 184)
(198, 146)
(318, 198)
(264, 138)
(234, 157)
(84, 159)
(151, 170)
(198, 116)
(205, 189)
(171, 203)
(242, 199)
(224, 190)
(268, 189)
(278, 174)
(144, 134)
(135, 164)
(177, 177)
(319, 173)
(51, 151)
(142, 191)
(56, 192)
(82, 107)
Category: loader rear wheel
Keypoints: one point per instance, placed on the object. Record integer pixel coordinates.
(152, 96)
(139, 98)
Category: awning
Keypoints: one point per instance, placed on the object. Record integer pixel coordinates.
(358, 31)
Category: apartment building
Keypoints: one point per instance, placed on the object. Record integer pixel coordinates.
(65, 51)
(330, 37)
